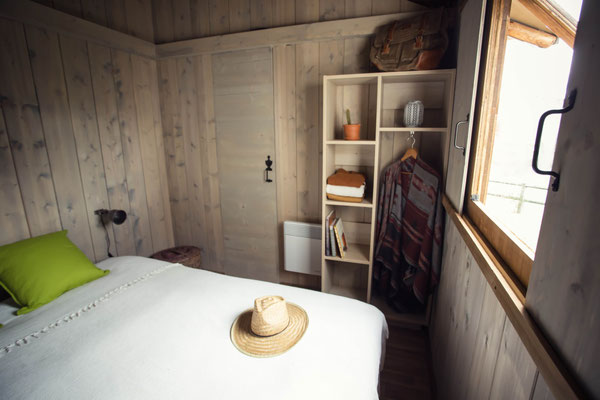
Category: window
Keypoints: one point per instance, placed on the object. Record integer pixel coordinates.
(527, 64)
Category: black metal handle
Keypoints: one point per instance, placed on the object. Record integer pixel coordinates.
(268, 162)
(538, 139)
(459, 123)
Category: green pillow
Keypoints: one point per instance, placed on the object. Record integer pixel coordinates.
(36, 271)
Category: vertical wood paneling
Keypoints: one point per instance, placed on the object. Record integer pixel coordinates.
(515, 370)
(139, 16)
(87, 139)
(331, 9)
(175, 159)
(478, 382)
(243, 97)
(542, 391)
(163, 17)
(64, 151)
(182, 19)
(331, 62)
(284, 12)
(239, 16)
(116, 16)
(193, 157)
(134, 170)
(307, 11)
(94, 11)
(261, 13)
(212, 200)
(27, 142)
(307, 135)
(142, 87)
(110, 141)
(357, 8)
(72, 7)
(219, 17)
(380, 7)
(476, 352)
(12, 217)
(199, 10)
(48, 74)
(160, 148)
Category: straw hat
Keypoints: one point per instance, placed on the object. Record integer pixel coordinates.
(271, 328)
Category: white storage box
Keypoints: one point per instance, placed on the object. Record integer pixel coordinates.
(302, 247)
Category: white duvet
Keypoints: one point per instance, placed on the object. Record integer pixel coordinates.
(153, 330)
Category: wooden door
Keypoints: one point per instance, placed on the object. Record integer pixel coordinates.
(564, 287)
(467, 71)
(244, 114)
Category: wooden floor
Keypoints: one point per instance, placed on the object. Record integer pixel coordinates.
(407, 372)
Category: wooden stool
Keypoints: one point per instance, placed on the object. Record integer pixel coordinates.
(190, 256)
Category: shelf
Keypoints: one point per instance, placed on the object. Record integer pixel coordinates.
(408, 129)
(352, 142)
(352, 292)
(394, 317)
(356, 253)
(365, 203)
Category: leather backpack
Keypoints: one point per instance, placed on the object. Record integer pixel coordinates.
(417, 43)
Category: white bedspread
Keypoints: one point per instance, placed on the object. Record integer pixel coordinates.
(153, 330)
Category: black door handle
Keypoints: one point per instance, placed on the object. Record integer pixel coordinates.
(538, 139)
(268, 162)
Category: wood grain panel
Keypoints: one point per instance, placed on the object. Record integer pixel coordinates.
(138, 14)
(212, 200)
(193, 157)
(243, 99)
(199, 11)
(132, 158)
(284, 12)
(307, 135)
(12, 218)
(182, 28)
(72, 7)
(307, 11)
(515, 370)
(110, 142)
(239, 16)
(27, 142)
(219, 17)
(87, 139)
(261, 13)
(161, 154)
(357, 8)
(149, 151)
(48, 73)
(94, 11)
(175, 159)
(331, 9)
(164, 29)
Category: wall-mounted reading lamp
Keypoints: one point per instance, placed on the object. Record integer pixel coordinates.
(110, 216)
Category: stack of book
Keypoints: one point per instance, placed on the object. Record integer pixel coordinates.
(335, 238)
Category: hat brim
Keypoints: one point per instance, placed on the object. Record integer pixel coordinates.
(268, 346)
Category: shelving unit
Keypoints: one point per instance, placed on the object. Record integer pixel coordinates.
(377, 102)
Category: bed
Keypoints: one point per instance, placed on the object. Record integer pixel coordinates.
(151, 329)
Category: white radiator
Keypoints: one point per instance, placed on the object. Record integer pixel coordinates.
(302, 247)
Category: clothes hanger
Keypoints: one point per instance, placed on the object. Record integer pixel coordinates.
(411, 151)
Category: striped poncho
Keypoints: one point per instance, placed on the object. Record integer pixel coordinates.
(408, 234)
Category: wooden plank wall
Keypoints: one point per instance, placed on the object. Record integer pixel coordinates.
(188, 115)
(133, 17)
(80, 130)
(186, 19)
(477, 354)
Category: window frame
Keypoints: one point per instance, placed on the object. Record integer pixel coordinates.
(516, 258)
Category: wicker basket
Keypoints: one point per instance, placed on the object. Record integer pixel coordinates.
(190, 256)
